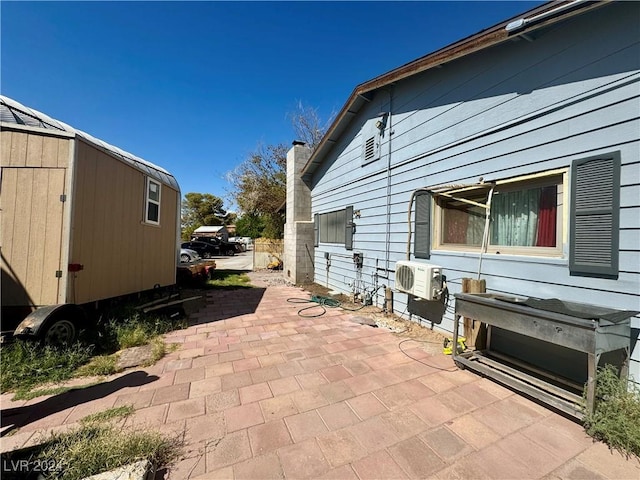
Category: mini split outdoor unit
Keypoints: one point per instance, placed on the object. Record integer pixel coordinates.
(421, 280)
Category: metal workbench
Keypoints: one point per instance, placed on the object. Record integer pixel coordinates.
(550, 326)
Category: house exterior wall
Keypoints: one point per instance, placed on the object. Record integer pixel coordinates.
(519, 108)
(120, 253)
(34, 171)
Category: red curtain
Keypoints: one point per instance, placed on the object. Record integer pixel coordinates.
(547, 218)
(456, 225)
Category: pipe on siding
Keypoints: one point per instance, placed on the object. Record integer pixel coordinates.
(523, 22)
(388, 222)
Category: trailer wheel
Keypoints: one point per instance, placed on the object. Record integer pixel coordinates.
(61, 331)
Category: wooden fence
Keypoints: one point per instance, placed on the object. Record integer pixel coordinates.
(265, 251)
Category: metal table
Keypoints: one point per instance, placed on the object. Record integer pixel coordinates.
(589, 329)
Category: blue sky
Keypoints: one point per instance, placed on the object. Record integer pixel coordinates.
(194, 87)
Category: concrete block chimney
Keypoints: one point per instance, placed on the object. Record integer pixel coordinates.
(298, 229)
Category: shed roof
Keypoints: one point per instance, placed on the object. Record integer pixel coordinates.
(13, 112)
(520, 26)
(209, 229)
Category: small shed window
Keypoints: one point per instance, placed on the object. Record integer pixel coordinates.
(152, 207)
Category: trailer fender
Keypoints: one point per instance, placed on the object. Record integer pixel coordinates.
(52, 323)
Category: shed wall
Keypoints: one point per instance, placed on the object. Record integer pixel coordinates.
(34, 169)
(120, 253)
(516, 109)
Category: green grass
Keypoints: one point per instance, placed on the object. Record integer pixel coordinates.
(616, 416)
(25, 365)
(97, 447)
(229, 279)
(29, 394)
(98, 366)
(111, 413)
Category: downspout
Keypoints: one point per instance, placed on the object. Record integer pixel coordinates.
(388, 222)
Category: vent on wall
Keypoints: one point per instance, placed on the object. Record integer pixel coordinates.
(370, 149)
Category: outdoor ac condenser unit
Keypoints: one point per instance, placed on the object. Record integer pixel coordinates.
(421, 280)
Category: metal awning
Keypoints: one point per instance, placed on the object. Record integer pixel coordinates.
(453, 191)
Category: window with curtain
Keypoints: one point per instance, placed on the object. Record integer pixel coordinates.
(525, 217)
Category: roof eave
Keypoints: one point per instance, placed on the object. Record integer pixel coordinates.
(490, 37)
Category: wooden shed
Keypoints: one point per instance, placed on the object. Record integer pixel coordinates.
(82, 220)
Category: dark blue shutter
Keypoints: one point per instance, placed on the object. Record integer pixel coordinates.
(348, 228)
(316, 230)
(422, 223)
(595, 216)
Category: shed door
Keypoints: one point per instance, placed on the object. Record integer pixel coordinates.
(31, 208)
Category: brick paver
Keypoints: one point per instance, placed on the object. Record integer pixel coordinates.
(260, 392)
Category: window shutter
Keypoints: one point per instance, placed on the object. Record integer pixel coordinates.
(348, 228)
(595, 210)
(422, 235)
(316, 230)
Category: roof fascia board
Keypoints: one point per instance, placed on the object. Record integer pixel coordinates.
(486, 38)
(50, 132)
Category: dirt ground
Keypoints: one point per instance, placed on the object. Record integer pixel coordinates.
(432, 340)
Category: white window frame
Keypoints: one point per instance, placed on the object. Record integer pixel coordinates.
(516, 183)
(150, 201)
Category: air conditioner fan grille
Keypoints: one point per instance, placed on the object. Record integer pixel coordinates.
(405, 277)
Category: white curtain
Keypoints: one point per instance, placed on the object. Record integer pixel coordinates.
(515, 218)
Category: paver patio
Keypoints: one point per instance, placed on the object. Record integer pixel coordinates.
(260, 392)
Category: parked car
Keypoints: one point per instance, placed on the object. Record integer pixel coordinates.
(225, 248)
(243, 241)
(187, 255)
(205, 249)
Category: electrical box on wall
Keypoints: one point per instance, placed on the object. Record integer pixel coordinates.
(358, 259)
(421, 280)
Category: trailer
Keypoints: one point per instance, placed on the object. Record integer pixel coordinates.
(83, 222)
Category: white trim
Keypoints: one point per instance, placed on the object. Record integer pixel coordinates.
(66, 288)
(561, 227)
(149, 200)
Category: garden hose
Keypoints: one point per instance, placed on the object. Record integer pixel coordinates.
(319, 302)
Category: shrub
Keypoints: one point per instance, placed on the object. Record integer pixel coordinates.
(615, 419)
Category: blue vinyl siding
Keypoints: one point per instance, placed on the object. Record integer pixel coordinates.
(511, 110)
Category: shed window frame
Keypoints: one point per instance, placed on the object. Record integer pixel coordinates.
(152, 205)
(479, 194)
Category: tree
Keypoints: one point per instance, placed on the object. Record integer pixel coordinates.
(307, 125)
(259, 184)
(201, 209)
(260, 187)
(250, 225)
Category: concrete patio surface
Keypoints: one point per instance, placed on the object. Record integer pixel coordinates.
(260, 392)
